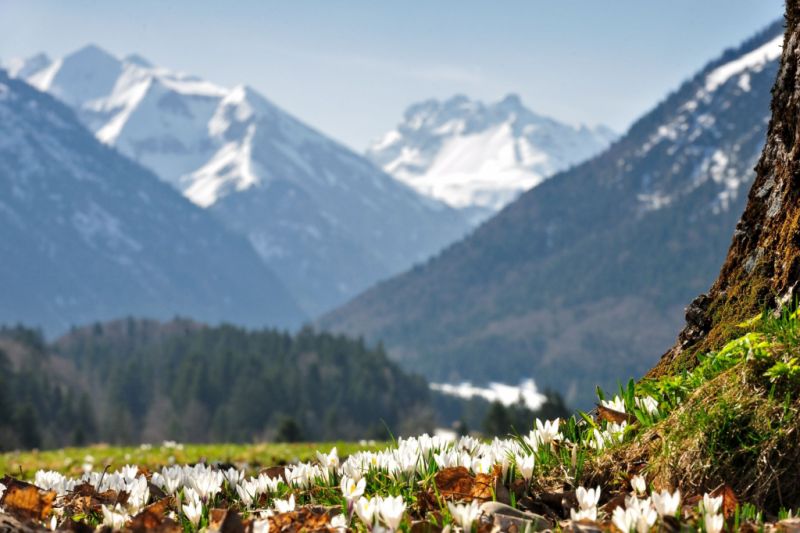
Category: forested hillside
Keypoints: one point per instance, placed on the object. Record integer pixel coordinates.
(137, 381)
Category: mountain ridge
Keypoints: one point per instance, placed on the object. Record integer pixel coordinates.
(477, 156)
(322, 217)
(90, 235)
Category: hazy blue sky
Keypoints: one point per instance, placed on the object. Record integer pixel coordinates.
(350, 68)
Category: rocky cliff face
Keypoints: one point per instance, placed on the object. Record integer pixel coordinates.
(762, 268)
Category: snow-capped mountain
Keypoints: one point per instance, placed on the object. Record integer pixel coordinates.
(477, 156)
(325, 219)
(86, 234)
(583, 279)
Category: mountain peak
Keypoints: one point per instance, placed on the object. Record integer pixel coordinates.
(23, 68)
(480, 157)
(139, 61)
(84, 75)
(511, 101)
(457, 100)
(91, 54)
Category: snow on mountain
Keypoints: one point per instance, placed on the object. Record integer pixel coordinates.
(324, 218)
(472, 155)
(722, 161)
(86, 234)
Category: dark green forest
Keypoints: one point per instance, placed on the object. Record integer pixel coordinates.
(135, 381)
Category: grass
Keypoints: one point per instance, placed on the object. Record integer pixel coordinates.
(70, 461)
(734, 420)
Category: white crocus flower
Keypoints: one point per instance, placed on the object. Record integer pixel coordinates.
(617, 431)
(532, 440)
(667, 504)
(303, 475)
(617, 404)
(260, 526)
(525, 465)
(51, 480)
(138, 494)
(248, 491)
(639, 485)
(284, 506)
(365, 509)
(193, 509)
(713, 522)
(2, 490)
(622, 519)
(268, 484)
(129, 472)
(644, 515)
(169, 480)
(465, 514)
(114, 518)
(233, 476)
(482, 465)
(710, 504)
(339, 523)
(587, 499)
(391, 511)
(597, 440)
(648, 404)
(351, 489)
(53, 523)
(583, 514)
(329, 461)
(548, 431)
(207, 483)
(353, 468)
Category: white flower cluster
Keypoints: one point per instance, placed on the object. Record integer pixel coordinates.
(196, 488)
(615, 431)
(640, 513)
(388, 511)
(126, 479)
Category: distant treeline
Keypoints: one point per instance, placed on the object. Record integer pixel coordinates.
(135, 381)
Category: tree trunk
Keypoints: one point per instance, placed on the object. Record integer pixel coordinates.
(762, 269)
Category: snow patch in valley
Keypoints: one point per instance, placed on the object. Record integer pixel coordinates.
(500, 392)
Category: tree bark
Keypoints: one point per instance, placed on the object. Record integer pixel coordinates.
(762, 268)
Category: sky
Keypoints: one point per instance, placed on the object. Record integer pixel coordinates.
(351, 68)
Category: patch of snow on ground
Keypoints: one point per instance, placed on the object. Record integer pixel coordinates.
(501, 392)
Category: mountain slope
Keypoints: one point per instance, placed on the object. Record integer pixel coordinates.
(583, 276)
(480, 157)
(87, 234)
(322, 217)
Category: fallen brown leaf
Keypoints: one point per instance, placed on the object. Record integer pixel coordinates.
(28, 502)
(457, 483)
(154, 517)
(303, 519)
(616, 417)
(729, 500)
